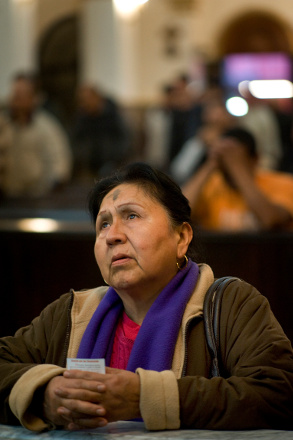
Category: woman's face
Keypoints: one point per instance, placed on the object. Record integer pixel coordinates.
(136, 246)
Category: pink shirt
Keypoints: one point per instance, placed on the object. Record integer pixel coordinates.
(125, 335)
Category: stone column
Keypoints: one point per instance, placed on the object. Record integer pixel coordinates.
(17, 45)
(110, 49)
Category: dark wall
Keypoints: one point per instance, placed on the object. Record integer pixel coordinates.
(37, 268)
(264, 260)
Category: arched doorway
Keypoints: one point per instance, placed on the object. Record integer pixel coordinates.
(58, 67)
(255, 32)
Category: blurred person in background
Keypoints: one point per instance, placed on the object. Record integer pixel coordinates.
(262, 122)
(215, 120)
(157, 126)
(5, 140)
(100, 137)
(185, 114)
(231, 193)
(283, 110)
(36, 155)
(172, 121)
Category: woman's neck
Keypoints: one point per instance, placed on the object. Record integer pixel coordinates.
(138, 299)
(136, 307)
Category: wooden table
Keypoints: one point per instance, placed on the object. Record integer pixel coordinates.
(137, 431)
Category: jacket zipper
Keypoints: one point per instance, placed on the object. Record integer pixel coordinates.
(68, 328)
(185, 348)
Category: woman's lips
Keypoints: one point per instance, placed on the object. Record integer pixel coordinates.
(120, 260)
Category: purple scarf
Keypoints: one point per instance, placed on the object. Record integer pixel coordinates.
(154, 346)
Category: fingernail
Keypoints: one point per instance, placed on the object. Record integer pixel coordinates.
(73, 427)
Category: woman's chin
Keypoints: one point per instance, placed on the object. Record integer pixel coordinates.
(123, 283)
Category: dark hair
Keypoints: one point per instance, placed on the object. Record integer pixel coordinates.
(244, 137)
(156, 184)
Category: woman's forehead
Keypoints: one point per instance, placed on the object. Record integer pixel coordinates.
(127, 191)
(124, 189)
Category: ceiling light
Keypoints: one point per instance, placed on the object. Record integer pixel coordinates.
(237, 106)
(271, 89)
(127, 8)
(38, 225)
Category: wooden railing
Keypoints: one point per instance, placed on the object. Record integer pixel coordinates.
(36, 268)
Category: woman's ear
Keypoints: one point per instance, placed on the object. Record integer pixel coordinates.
(185, 237)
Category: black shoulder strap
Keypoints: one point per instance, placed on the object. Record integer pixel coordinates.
(211, 315)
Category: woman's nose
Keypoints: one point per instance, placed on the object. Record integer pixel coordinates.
(115, 233)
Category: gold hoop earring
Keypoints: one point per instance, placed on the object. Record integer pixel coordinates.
(185, 262)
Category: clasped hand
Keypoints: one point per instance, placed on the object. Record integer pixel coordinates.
(230, 154)
(83, 400)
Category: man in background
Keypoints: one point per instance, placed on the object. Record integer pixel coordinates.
(100, 137)
(231, 193)
(35, 152)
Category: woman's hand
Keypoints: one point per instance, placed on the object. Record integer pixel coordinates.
(69, 402)
(82, 400)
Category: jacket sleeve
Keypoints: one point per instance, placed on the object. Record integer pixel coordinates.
(159, 399)
(256, 390)
(41, 342)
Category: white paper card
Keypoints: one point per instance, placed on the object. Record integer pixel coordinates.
(95, 365)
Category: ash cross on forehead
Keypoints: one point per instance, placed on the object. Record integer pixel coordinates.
(116, 194)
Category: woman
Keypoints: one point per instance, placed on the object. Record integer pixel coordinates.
(148, 326)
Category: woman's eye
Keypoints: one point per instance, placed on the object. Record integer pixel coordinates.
(131, 216)
(104, 225)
